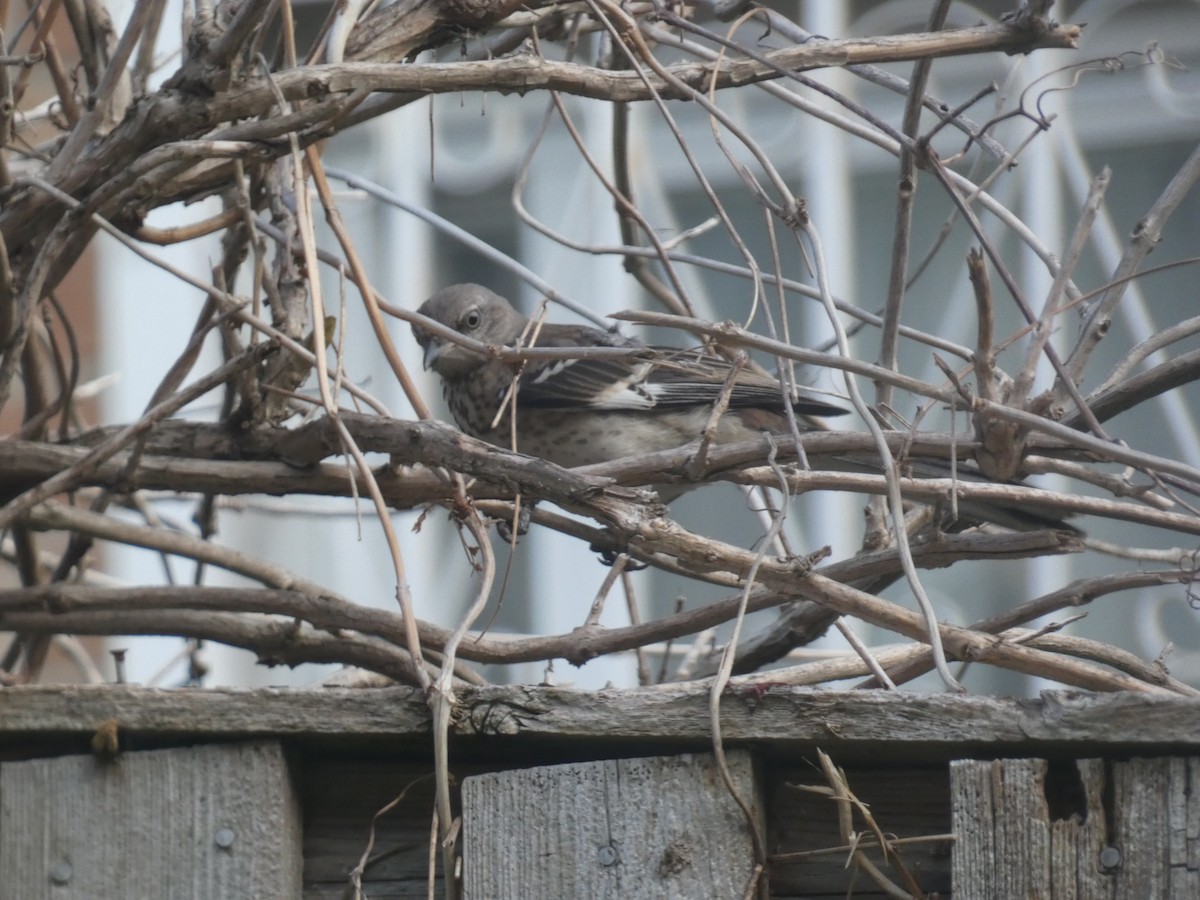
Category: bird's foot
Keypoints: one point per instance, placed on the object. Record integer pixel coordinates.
(504, 527)
(609, 557)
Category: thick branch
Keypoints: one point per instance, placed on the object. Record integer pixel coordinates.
(521, 74)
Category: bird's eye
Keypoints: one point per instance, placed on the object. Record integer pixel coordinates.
(471, 320)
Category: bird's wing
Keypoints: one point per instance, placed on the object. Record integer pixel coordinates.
(688, 378)
(587, 384)
(668, 378)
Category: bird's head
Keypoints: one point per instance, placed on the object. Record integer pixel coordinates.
(473, 311)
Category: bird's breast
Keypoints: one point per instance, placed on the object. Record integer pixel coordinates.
(571, 438)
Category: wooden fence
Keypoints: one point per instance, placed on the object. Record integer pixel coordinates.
(124, 792)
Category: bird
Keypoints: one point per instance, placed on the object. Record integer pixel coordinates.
(577, 412)
(581, 411)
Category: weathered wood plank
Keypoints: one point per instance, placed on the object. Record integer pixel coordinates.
(214, 821)
(1077, 840)
(779, 719)
(656, 827)
(840, 721)
(1144, 841)
(973, 821)
(1140, 798)
(1024, 829)
(220, 713)
(1002, 829)
(1157, 811)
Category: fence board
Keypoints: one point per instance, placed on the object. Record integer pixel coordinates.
(1003, 828)
(220, 822)
(647, 828)
(649, 721)
(1144, 842)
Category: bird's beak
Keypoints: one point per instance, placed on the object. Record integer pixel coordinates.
(432, 351)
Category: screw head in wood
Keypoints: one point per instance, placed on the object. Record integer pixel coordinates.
(60, 872)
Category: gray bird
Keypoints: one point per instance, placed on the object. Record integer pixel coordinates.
(575, 412)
